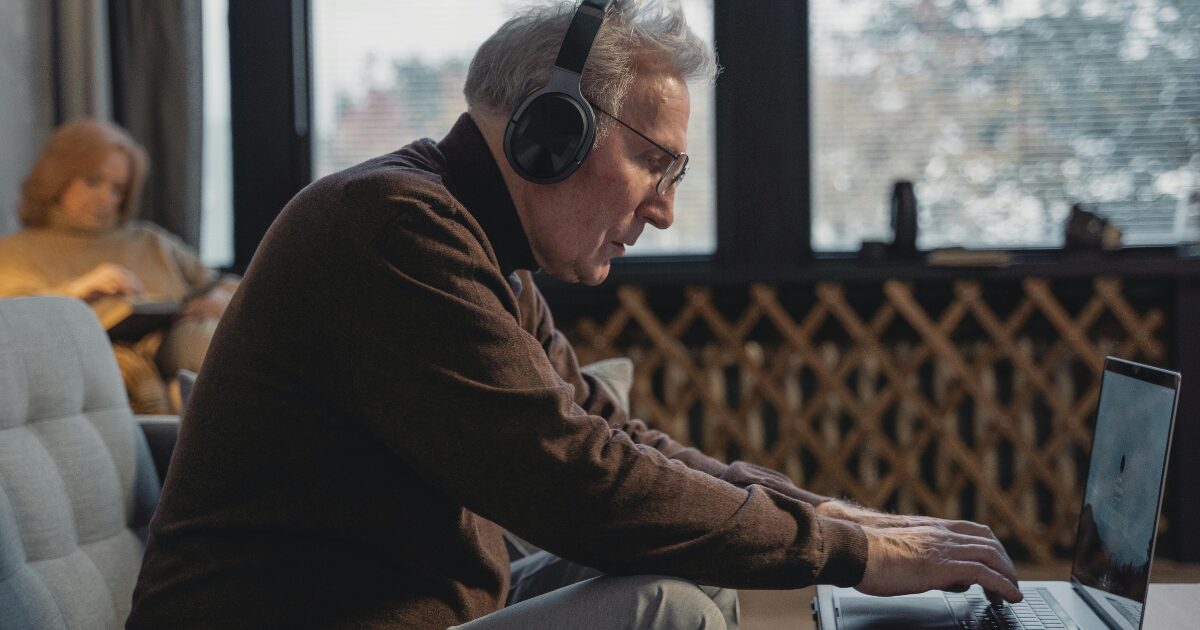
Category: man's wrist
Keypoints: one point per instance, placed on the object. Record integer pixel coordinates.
(854, 513)
(845, 548)
(839, 509)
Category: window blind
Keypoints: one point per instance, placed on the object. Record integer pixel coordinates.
(1004, 113)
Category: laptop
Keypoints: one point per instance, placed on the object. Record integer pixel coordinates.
(1114, 544)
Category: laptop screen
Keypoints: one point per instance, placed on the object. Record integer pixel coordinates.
(1124, 486)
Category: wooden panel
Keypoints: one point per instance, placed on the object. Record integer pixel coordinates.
(958, 409)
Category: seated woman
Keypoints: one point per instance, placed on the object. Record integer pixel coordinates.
(78, 240)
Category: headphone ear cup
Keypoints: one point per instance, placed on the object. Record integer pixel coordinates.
(549, 136)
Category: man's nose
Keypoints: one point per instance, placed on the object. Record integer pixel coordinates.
(659, 210)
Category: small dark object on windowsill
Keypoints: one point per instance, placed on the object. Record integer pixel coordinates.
(904, 230)
(1087, 232)
(904, 221)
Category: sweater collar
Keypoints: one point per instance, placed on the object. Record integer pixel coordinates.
(473, 177)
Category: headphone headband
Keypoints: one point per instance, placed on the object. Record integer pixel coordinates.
(580, 34)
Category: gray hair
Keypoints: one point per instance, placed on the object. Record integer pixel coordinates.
(516, 60)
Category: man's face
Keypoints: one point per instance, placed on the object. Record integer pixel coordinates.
(577, 226)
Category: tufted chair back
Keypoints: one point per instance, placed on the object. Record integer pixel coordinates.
(77, 485)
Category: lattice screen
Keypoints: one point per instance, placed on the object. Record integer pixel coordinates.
(956, 409)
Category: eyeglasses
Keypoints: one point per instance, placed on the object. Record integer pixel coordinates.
(675, 170)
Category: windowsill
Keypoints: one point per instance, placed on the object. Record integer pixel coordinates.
(1132, 262)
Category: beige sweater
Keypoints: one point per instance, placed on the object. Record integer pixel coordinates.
(40, 260)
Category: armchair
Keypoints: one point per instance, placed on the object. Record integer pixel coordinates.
(77, 480)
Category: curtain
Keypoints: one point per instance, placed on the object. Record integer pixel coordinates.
(82, 72)
(158, 96)
(26, 98)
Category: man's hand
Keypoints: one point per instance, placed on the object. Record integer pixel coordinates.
(870, 518)
(904, 560)
(930, 553)
(103, 280)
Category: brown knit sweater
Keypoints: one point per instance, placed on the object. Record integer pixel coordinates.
(385, 393)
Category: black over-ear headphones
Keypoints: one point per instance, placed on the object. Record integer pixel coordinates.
(552, 131)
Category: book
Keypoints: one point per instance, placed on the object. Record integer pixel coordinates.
(130, 320)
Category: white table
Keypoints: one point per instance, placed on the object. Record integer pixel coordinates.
(1172, 607)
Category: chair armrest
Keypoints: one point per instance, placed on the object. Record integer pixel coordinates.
(161, 431)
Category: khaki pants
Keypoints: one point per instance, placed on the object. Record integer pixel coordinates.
(550, 592)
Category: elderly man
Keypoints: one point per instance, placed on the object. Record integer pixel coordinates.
(388, 391)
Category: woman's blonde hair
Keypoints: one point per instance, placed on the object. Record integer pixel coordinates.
(76, 150)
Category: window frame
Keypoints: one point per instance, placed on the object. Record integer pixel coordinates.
(270, 115)
(763, 183)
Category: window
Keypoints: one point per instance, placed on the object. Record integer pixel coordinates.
(1004, 113)
(216, 171)
(386, 73)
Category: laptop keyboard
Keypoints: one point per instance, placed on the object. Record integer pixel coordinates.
(1038, 611)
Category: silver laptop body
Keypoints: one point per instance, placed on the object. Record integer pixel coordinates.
(1114, 544)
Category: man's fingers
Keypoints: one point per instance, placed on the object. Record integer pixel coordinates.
(969, 528)
(906, 560)
(1002, 556)
(987, 555)
(995, 584)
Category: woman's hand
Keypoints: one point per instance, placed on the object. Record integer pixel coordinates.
(209, 305)
(103, 280)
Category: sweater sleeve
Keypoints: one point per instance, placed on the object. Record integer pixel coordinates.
(444, 376)
(184, 258)
(537, 319)
(17, 282)
(17, 274)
